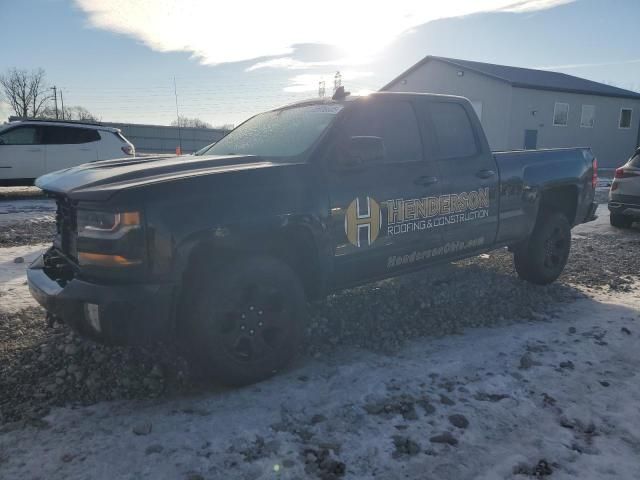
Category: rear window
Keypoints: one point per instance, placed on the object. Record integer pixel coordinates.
(69, 135)
(635, 160)
(453, 130)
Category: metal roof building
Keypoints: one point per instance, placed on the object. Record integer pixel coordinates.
(526, 108)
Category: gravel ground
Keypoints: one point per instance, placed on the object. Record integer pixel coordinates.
(42, 367)
(28, 232)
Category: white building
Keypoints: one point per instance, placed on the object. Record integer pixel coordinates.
(525, 108)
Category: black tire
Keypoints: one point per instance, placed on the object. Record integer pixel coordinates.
(620, 221)
(542, 258)
(247, 321)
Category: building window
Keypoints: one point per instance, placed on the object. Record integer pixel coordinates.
(561, 114)
(588, 116)
(625, 118)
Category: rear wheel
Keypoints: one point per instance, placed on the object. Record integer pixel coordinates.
(542, 258)
(620, 221)
(248, 320)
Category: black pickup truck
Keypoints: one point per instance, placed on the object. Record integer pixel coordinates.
(220, 251)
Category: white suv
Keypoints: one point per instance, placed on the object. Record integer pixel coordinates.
(30, 148)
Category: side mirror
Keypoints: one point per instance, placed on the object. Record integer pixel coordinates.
(360, 151)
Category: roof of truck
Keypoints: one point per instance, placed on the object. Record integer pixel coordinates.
(527, 78)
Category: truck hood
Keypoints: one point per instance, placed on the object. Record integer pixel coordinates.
(100, 180)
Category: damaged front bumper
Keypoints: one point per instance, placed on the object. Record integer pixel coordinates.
(124, 314)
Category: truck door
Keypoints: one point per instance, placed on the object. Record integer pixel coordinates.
(468, 205)
(375, 226)
(21, 153)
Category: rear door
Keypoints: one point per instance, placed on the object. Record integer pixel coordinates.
(69, 146)
(21, 153)
(374, 217)
(468, 205)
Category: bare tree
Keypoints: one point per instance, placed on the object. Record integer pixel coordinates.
(70, 113)
(79, 113)
(26, 92)
(190, 122)
(39, 92)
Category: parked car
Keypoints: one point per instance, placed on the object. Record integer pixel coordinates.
(222, 250)
(624, 195)
(31, 148)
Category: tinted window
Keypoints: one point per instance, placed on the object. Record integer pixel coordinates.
(453, 130)
(69, 135)
(635, 160)
(26, 135)
(394, 122)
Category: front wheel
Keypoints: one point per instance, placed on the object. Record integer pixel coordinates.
(248, 320)
(620, 221)
(542, 258)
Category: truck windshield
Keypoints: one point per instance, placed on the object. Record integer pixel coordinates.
(285, 134)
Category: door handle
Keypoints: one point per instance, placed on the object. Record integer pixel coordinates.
(85, 149)
(34, 149)
(425, 180)
(485, 174)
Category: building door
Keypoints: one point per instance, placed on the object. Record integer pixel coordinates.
(530, 139)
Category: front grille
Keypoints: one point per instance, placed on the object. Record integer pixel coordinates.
(66, 230)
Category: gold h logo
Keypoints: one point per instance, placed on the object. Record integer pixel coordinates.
(362, 221)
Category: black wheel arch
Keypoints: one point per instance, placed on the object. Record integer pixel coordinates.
(303, 246)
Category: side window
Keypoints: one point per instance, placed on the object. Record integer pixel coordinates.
(27, 135)
(560, 114)
(69, 135)
(454, 134)
(625, 118)
(395, 122)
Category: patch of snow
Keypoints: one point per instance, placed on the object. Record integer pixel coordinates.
(14, 292)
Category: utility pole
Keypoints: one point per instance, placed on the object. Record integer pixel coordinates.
(175, 92)
(62, 103)
(55, 99)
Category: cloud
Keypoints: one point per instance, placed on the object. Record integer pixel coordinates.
(5, 111)
(533, 5)
(220, 32)
(289, 63)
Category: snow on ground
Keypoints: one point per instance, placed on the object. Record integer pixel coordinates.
(558, 395)
(14, 292)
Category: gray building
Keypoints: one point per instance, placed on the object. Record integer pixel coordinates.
(165, 139)
(522, 108)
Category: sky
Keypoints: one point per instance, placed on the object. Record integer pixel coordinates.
(230, 60)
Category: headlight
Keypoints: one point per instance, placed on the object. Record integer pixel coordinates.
(109, 239)
(98, 224)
